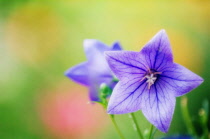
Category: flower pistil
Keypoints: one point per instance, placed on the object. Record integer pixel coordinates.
(151, 77)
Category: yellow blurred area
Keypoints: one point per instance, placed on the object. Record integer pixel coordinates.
(34, 32)
(40, 40)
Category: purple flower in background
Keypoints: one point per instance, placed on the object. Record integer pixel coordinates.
(95, 70)
(149, 81)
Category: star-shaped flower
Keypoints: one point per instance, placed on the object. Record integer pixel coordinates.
(95, 70)
(149, 81)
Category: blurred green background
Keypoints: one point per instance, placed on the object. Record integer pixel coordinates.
(40, 39)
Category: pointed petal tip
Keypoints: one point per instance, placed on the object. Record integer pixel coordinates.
(163, 129)
(116, 46)
(94, 98)
(94, 47)
(160, 46)
(68, 72)
(201, 79)
(78, 74)
(116, 43)
(162, 32)
(89, 42)
(93, 43)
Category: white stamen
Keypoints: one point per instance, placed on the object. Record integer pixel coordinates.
(150, 80)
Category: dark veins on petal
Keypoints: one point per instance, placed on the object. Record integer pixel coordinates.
(179, 79)
(130, 93)
(157, 52)
(158, 109)
(127, 64)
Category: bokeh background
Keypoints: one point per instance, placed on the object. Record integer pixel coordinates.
(40, 39)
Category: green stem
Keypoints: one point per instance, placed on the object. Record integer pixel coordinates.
(154, 132)
(204, 119)
(136, 125)
(150, 132)
(116, 127)
(186, 116)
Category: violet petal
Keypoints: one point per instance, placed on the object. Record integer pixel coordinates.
(179, 79)
(158, 105)
(116, 46)
(158, 51)
(126, 97)
(126, 64)
(79, 74)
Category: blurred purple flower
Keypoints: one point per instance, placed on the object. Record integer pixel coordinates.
(95, 70)
(149, 81)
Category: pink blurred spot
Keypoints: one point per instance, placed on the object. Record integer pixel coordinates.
(68, 114)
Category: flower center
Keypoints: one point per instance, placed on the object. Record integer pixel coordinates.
(151, 77)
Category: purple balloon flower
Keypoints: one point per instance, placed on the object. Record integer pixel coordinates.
(149, 81)
(95, 70)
